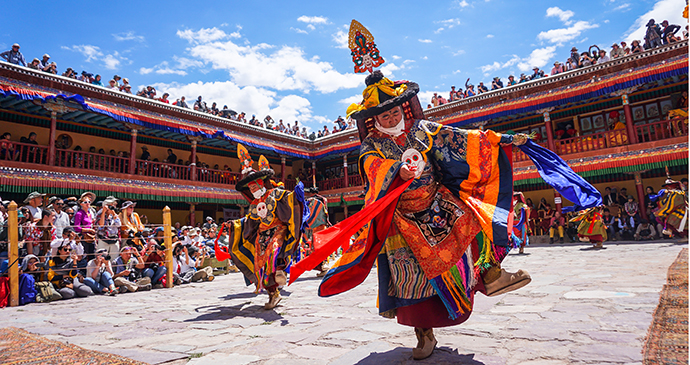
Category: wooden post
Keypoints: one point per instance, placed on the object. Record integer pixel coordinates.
(640, 194)
(282, 168)
(13, 237)
(345, 210)
(192, 214)
(629, 127)
(345, 174)
(133, 152)
(167, 238)
(549, 132)
(53, 136)
(193, 160)
(313, 173)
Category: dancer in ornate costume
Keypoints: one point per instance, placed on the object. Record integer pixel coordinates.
(520, 227)
(318, 221)
(673, 204)
(262, 243)
(592, 228)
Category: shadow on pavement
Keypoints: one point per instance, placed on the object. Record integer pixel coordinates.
(222, 313)
(403, 355)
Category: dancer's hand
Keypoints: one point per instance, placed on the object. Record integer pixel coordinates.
(407, 172)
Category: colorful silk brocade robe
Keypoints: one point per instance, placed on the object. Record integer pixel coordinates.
(520, 237)
(449, 224)
(264, 241)
(318, 217)
(673, 205)
(592, 227)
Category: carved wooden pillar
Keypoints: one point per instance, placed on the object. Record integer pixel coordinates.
(640, 194)
(193, 160)
(133, 152)
(345, 174)
(53, 136)
(549, 132)
(282, 168)
(313, 172)
(629, 127)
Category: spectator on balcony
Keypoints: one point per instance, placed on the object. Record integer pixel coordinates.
(145, 155)
(45, 62)
(7, 148)
(616, 51)
(481, 88)
(636, 47)
(35, 64)
(496, 83)
(172, 157)
(14, 56)
(575, 57)
(557, 68)
(97, 80)
(164, 98)
(603, 57)
(200, 105)
(117, 81)
(652, 38)
(511, 81)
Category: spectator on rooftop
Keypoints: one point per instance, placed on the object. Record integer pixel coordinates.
(575, 57)
(126, 88)
(125, 82)
(214, 109)
(434, 99)
(625, 48)
(586, 59)
(45, 61)
(51, 68)
(164, 98)
(86, 77)
(325, 131)
(496, 83)
(452, 96)
(557, 68)
(14, 56)
(652, 37)
(199, 105)
(668, 32)
(97, 80)
(117, 80)
(536, 74)
(481, 88)
(511, 81)
(35, 64)
(616, 51)
(636, 47)
(603, 57)
(182, 103)
(594, 54)
(70, 73)
(469, 90)
(441, 100)
(112, 84)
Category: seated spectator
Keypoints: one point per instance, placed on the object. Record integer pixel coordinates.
(45, 61)
(35, 64)
(625, 48)
(469, 90)
(154, 258)
(30, 266)
(63, 274)
(214, 109)
(496, 83)
(668, 32)
(635, 47)
(125, 82)
(645, 231)
(626, 226)
(586, 59)
(99, 274)
(182, 103)
(127, 88)
(200, 105)
(51, 68)
(632, 208)
(164, 98)
(117, 80)
(14, 56)
(129, 268)
(557, 68)
(511, 80)
(97, 80)
(603, 57)
(325, 131)
(610, 223)
(523, 78)
(481, 88)
(70, 73)
(556, 224)
(112, 84)
(536, 74)
(616, 51)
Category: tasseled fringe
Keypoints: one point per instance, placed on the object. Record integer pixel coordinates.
(487, 256)
(454, 286)
(517, 242)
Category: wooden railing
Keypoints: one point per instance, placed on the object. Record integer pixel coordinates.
(23, 152)
(163, 170)
(91, 161)
(216, 176)
(677, 127)
(590, 142)
(518, 155)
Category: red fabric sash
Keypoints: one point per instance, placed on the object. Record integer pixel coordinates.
(222, 253)
(330, 239)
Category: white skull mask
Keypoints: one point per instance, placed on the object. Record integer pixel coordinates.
(412, 157)
(261, 210)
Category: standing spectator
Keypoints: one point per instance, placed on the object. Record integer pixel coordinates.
(586, 59)
(434, 99)
(99, 274)
(117, 81)
(636, 47)
(83, 223)
(125, 82)
(45, 62)
(35, 64)
(172, 157)
(452, 96)
(182, 103)
(199, 105)
(557, 68)
(603, 57)
(557, 223)
(97, 81)
(575, 57)
(668, 32)
(481, 88)
(14, 56)
(131, 223)
(34, 202)
(652, 37)
(645, 231)
(109, 227)
(62, 220)
(625, 48)
(511, 80)
(164, 98)
(616, 51)
(496, 83)
(536, 74)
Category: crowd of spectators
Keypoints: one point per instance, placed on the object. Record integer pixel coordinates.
(622, 217)
(655, 36)
(123, 85)
(77, 247)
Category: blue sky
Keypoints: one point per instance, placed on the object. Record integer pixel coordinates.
(291, 61)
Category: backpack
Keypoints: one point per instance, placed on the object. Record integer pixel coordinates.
(4, 291)
(27, 290)
(46, 292)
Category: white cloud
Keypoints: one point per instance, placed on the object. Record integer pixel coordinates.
(489, 36)
(395, 57)
(313, 19)
(311, 26)
(206, 35)
(670, 10)
(461, 3)
(341, 37)
(459, 52)
(439, 30)
(355, 99)
(622, 7)
(425, 40)
(264, 65)
(111, 62)
(300, 31)
(562, 35)
(563, 15)
(539, 58)
(128, 36)
(606, 21)
(487, 69)
(93, 53)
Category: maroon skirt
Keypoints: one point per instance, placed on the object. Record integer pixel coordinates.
(432, 313)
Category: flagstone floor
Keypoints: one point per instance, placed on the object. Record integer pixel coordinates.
(582, 307)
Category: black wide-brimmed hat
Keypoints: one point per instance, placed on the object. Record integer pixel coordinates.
(254, 175)
(248, 173)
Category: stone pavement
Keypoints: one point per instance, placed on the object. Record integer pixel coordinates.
(582, 307)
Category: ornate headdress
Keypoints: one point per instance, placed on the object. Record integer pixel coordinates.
(248, 173)
(364, 53)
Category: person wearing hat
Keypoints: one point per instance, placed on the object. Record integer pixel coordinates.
(536, 74)
(511, 80)
(33, 202)
(668, 32)
(45, 62)
(145, 155)
(14, 56)
(208, 223)
(575, 57)
(431, 231)
(271, 231)
(673, 204)
(481, 88)
(557, 68)
(131, 223)
(616, 51)
(591, 227)
(496, 83)
(652, 37)
(35, 64)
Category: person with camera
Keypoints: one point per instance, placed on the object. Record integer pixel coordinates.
(128, 271)
(108, 232)
(64, 275)
(191, 262)
(131, 226)
(99, 274)
(154, 258)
